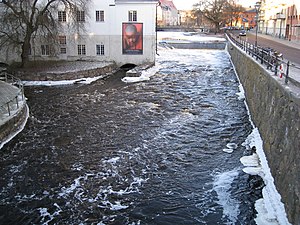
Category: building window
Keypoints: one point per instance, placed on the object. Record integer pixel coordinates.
(100, 49)
(45, 49)
(132, 15)
(62, 16)
(62, 40)
(63, 50)
(99, 16)
(80, 16)
(81, 50)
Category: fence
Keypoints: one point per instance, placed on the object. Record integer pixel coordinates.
(267, 56)
(13, 102)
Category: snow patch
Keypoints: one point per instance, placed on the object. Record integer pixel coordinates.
(62, 82)
(145, 75)
(270, 208)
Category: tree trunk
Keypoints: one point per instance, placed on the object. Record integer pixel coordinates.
(217, 27)
(26, 49)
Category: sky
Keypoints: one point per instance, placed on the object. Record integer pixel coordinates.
(188, 4)
(184, 4)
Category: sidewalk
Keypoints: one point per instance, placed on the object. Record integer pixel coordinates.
(294, 70)
(292, 43)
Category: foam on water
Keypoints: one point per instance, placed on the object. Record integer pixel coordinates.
(47, 217)
(222, 186)
(230, 147)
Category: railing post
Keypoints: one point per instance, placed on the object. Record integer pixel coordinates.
(255, 51)
(17, 101)
(287, 72)
(8, 108)
(268, 55)
(22, 92)
(276, 64)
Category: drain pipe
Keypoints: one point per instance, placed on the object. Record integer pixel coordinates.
(158, 4)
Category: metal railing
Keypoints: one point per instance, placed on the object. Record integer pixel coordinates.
(12, 103)
(273, 60)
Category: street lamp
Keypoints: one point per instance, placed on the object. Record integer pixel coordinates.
(257, 8)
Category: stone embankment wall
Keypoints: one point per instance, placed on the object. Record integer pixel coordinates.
(275, 110)
(13, 125)
(197, 45)
(63, 74)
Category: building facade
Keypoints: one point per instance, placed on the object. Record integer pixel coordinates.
(280, 19)
(247, 19)
(120, 31)
(167, 14)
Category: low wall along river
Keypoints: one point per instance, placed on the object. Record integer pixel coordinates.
(275, 110)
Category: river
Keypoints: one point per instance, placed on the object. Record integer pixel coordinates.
(163, 151)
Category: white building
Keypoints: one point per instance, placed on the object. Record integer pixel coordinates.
(280, 18)
(167, 14)
(103, 38)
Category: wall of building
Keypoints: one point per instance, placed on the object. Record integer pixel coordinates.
(275, 110)
(280, 19)
(108, 33)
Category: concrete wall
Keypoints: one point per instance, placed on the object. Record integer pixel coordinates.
(275, 110)
(64, 75)
(198, 45)
(13, 125)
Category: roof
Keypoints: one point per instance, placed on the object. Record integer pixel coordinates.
(133, 1)
(251, 10)
(167, 4)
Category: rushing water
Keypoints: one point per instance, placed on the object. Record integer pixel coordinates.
(164, 151)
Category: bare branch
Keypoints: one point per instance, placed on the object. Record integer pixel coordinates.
(22, 20)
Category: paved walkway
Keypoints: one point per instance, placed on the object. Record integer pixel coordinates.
(293, 44)
(294, 71)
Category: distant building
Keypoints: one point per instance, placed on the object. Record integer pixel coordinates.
(247, 19)
(186, 18)
(106, 24)
(167, 14)
(280, 19)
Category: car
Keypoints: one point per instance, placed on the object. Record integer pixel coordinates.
(242, 33)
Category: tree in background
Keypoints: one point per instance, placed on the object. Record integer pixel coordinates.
(218, 12)
(234, 11)
(22, 20)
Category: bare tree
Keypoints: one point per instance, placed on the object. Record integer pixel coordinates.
(213, 10)
(21, 20)
(234, 10)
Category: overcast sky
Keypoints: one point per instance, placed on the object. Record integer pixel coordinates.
(188, 4)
